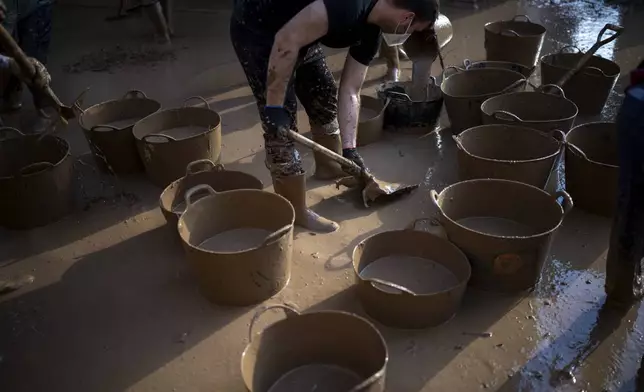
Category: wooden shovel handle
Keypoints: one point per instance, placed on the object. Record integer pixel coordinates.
(350, 166)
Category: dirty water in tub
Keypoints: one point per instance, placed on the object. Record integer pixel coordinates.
(184, 132)
(235, 240)
(497, 226)
(124, 123)
(420, 275)
(317, 377)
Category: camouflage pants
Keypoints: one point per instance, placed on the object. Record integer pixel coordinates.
(312, 83)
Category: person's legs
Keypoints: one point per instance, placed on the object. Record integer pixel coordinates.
(315, 87)
(390, 53)
(154, 12)
(282, 159)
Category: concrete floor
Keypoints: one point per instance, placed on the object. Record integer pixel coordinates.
(114, 306)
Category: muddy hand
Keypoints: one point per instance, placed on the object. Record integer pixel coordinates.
(40, 79)
(352, 155)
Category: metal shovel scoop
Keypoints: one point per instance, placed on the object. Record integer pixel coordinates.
(372, 188)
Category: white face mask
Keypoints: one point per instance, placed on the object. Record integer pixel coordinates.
(394, 39)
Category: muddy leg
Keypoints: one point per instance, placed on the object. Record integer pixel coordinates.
(624, 281)
(282, 159)
(390, 53)
(316, 89)
(154, 13)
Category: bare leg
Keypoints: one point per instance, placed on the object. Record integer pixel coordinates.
(390, 53)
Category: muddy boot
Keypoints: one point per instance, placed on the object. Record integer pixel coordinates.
(326, 169)
(154, 12)
(293, 188)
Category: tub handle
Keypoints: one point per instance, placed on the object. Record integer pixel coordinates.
(457, 140)
(375, 283)
(595, 70)
(387, 102)
(210, 165)
(558, 135)
(36, 167)
(467, 63)
(167, 137)
(106, 127)
(76, 106)
(521, 16)
(196, 189)
(8, 131)
(433, 195)
(277, 234)
(576, 150)
(565, 47)
(514, 85)
(510, 33)
(134, 94)
(289, 310)
(557, 90)
(451, 68)
(512, 116)
(435, 228)
(567, 204)
(399, 95)
(202, 99)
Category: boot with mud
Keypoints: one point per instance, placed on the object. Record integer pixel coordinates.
(326, 169)
(293, 188)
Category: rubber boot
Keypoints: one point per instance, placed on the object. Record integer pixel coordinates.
(154, 12)
(293, 188)
(325, 168)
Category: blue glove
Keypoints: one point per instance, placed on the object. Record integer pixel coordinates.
(278, 120)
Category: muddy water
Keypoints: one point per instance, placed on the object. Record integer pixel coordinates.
(316, 378)
(421, 276)
(124, 123)
(236, 240)
(183, 132)
(367, 114)
(497, 226)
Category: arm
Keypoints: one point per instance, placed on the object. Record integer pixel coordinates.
(353, 77)
(307, 26)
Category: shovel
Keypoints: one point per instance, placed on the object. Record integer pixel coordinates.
(13, 50)
(372, 188)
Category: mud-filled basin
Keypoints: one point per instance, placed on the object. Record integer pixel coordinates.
(484, 64)
(205, 171)
(168, 140)
(36, 179)
(326, 351)
(592, 168)
(465, 91)
(239, 243)
(590, 87)
(108, 129)
(504, 227)
(518, 40)
(545, 110)
(508, 152)
(409, 109)
(410, 279)
(371, 121)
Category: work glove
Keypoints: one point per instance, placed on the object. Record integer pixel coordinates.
(40, 78)
(352, 155)
(278, 120)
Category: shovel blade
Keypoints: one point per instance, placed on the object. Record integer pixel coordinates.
(377, 190)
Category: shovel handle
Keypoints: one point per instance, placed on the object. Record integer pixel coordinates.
(210, 165)
(375, 282)
(617, 31)
(289, 310)
(196, 189)
(350, 166)
(567, 204)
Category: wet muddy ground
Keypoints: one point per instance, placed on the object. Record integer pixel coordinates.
(114, 307)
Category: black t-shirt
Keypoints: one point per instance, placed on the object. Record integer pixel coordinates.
(348, 26)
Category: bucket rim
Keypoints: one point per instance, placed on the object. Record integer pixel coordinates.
(66, 154)
(181, 221)
(211, 128)
(483, 70)
(462, 257)
(514, 93)
(541, 27)
(544, 58)
(367, 381)
(111, 101)
(553, 198)
(576, 128)
(518, 127)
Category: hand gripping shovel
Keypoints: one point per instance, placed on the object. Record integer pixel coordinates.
(372, 188)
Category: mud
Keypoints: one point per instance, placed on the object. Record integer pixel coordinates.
(497, 226)
(421, 276)
(114, 306)
(316, 378)
(236, 240)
